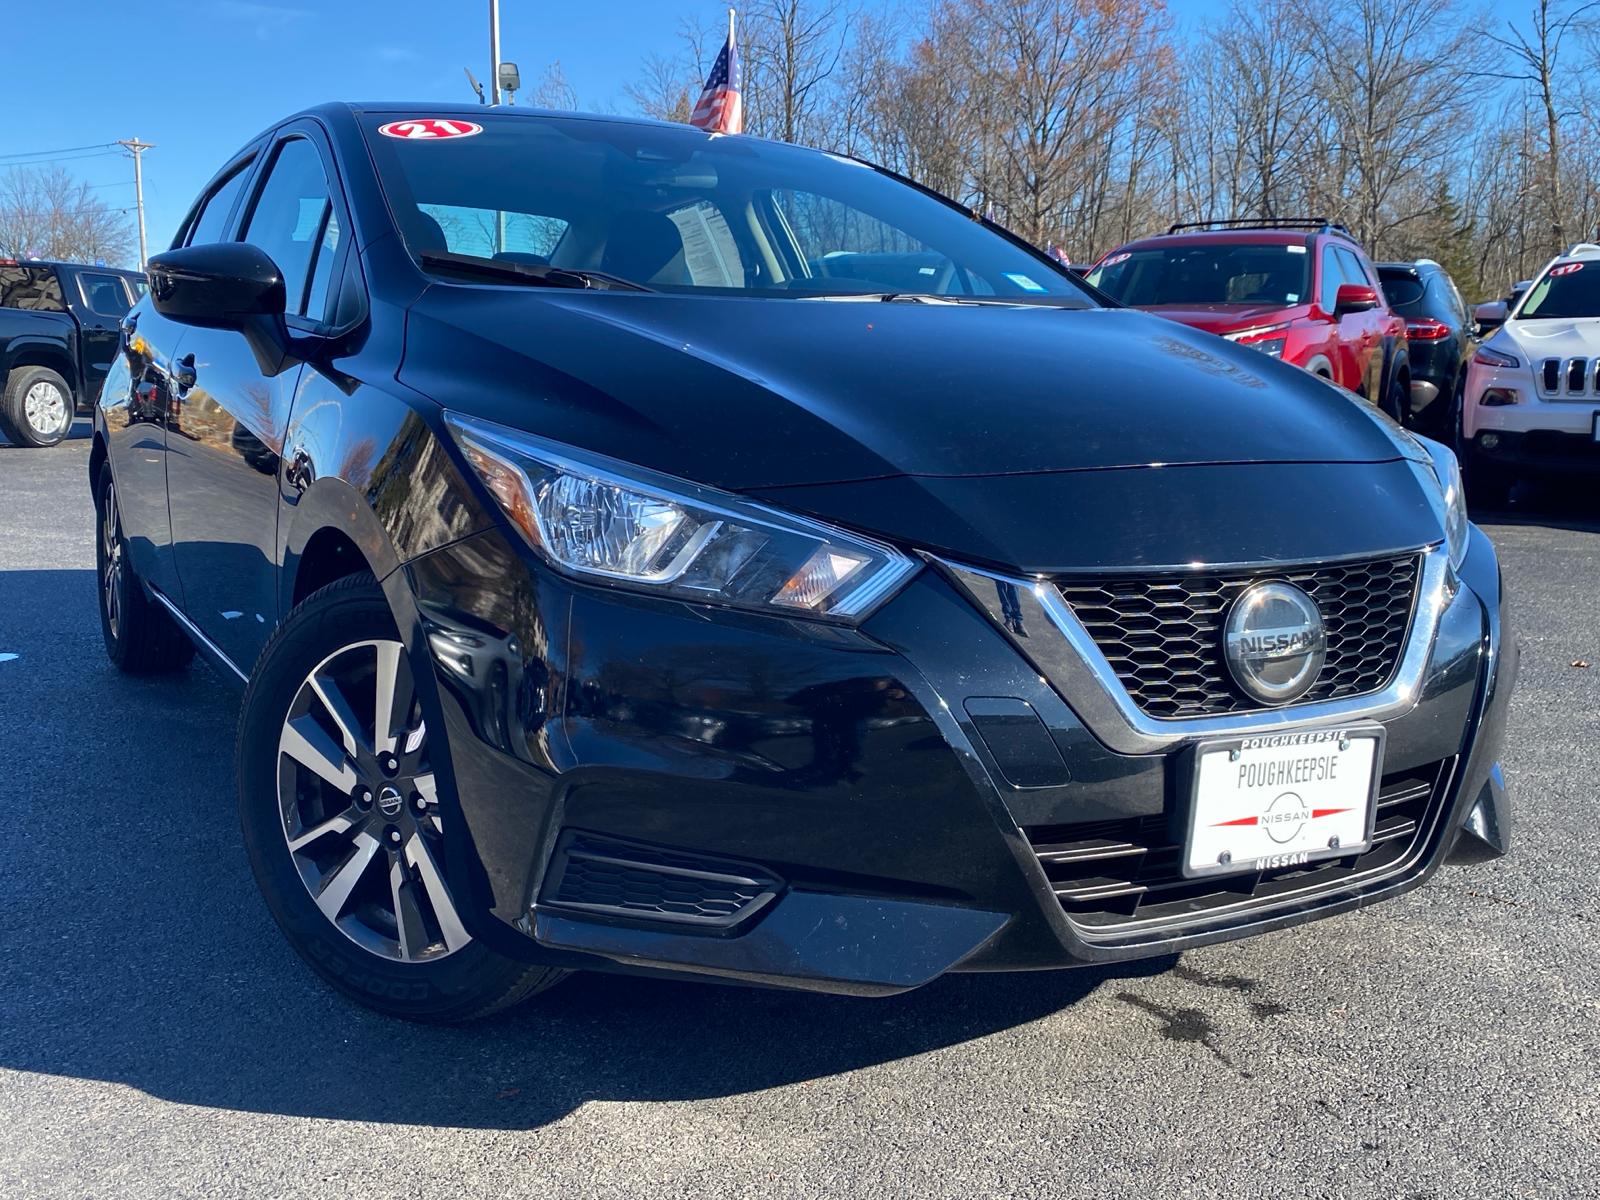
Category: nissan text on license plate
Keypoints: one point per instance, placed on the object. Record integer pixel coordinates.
(1283, 799)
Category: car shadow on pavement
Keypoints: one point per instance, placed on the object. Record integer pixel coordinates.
(136, 951)
(1556, 504)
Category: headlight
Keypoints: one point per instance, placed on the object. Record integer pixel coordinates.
(1440, 476)
(607, 521)
(1486, 357)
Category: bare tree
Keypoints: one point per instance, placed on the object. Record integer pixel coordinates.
(791, 50)
(1393, 84)
(553, 90)
(1536, 59)
(668, 86)
(46, 213)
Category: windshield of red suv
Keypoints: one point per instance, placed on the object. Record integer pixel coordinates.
(1207, 273)
(676, 210)
(1567, 290)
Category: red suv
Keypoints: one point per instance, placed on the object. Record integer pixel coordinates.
(1302, 291)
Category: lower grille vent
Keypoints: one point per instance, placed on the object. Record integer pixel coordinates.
(606, 876)
(1110, 873)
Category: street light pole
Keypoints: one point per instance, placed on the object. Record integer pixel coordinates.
(139, 148)
(494, 51)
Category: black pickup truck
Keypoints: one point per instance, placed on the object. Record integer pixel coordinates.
(59, 329)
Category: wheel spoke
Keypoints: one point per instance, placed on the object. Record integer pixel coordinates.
(408, 921)
(335, 890)
(424, 784)
(420, 856)
(383, 711)
(309, 745)
(339, 709)
(338, 824)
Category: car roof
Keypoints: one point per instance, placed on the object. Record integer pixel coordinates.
(76, 266)
(467, 109)
(1236, 237)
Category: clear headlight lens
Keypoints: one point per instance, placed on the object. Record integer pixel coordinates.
(1439, 473)
(608, 521)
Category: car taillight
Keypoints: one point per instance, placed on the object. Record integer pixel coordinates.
(1427, 330)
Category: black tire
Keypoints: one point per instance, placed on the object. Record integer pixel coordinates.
(37, 409)
(141, 637)
(1397, 401)
(361, 896)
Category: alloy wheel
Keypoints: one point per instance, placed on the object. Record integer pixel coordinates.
(359, 806)
(111, 576)
(46, 409)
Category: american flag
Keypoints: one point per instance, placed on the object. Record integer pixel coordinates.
(720, 108)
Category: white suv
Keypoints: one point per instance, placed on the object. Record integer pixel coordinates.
(1532, 400)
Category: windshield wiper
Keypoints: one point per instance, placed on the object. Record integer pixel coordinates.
(528, 274)
(1047, 300)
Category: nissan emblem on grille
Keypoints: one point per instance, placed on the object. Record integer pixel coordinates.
(1273, 642)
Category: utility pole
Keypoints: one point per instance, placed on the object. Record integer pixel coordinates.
(139, 148)
(494, 51)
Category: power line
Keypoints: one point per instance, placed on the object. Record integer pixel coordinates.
(31, 162)
(42, 154)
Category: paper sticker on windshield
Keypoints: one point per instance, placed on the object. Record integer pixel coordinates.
(1116, 258)
(1023, 282)
(430, 128)
(1566, 268)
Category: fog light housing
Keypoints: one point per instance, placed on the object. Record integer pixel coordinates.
(1489, 441)
(1497, 397)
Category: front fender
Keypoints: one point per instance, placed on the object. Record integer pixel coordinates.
(364, 462)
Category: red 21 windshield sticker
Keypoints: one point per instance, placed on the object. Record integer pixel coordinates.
(429, 128)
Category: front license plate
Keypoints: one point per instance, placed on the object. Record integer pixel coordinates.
(1260, 803)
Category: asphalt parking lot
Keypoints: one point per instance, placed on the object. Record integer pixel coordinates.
(159, 1038)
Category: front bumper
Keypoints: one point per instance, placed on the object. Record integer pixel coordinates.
(845, 772)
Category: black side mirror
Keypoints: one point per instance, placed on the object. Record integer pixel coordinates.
(225, 285)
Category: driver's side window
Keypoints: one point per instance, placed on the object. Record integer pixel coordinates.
(294, 222)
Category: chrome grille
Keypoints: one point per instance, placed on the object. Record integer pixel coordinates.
(1162, 635)
(1560, 377)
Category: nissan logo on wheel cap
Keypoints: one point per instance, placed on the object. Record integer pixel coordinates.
(1274, 642)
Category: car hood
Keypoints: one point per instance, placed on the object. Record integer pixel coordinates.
(749, 393)
(1037, 438)
(1223, 318)
(1559, 338)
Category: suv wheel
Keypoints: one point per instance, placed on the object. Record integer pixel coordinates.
(339, 806)
(37, 408)
(141, 638)
(1397, 402)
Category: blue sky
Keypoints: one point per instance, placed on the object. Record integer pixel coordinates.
(200, 77)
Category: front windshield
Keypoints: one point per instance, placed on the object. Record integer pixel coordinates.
(1569, 290)
(1207, 273)
(678, 210)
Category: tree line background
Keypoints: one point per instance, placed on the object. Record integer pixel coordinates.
(1424, 125)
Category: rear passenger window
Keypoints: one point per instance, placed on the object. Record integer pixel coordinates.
(104, 295)
(1354, 271)
(291, 222)
(210, 224)
(34, 288)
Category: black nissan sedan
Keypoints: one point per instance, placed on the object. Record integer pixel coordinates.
(646, 550)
